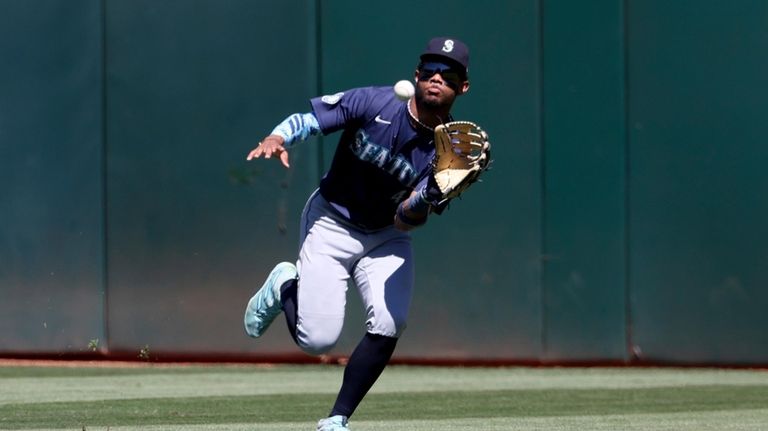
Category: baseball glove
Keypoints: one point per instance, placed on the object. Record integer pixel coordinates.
(462, 153)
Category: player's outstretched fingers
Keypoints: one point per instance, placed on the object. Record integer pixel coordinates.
(254, 154)
(269, 149)
(284, 159)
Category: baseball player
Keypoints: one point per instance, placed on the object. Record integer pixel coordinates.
(356, 225)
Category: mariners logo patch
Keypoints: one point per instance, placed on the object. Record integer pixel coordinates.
(448, 45)
(332, 99)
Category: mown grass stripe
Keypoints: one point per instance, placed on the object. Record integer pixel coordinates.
(383, 406)
(57, 385)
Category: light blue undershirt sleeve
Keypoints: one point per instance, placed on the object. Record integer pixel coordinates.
(297, 127)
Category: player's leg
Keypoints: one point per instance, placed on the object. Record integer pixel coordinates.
(289, 299)
(385, 281)
(322, 297)
(385, 278)
(315, 304)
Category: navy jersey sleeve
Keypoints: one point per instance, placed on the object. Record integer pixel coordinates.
(341, 110)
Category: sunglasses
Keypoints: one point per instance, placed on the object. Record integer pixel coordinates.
(450, 75)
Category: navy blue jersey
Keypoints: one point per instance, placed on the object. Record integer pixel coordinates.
(380, 156)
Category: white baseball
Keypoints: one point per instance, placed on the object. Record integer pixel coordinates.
(404, 89)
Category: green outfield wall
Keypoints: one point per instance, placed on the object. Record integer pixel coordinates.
(623, 222)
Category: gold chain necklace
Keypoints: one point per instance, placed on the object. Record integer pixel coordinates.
(416, 119)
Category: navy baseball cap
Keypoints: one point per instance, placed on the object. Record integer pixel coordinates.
(448, 48)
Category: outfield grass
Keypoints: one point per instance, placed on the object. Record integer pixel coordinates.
(281, 398)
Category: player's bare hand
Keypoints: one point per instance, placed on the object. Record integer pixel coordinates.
(272, 145)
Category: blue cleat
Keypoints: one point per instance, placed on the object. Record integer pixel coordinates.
(265, 305)
(333, 423)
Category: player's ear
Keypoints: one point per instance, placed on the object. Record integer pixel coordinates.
(464, 87)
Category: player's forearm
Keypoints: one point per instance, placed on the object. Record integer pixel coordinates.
(412, 212)
(297, 127)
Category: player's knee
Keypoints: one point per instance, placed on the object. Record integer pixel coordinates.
(388, 325)
(317, 342)
(316, 347)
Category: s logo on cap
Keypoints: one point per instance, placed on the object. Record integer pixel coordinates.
(448, 45)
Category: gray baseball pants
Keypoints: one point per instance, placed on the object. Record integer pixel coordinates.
(380, 264)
